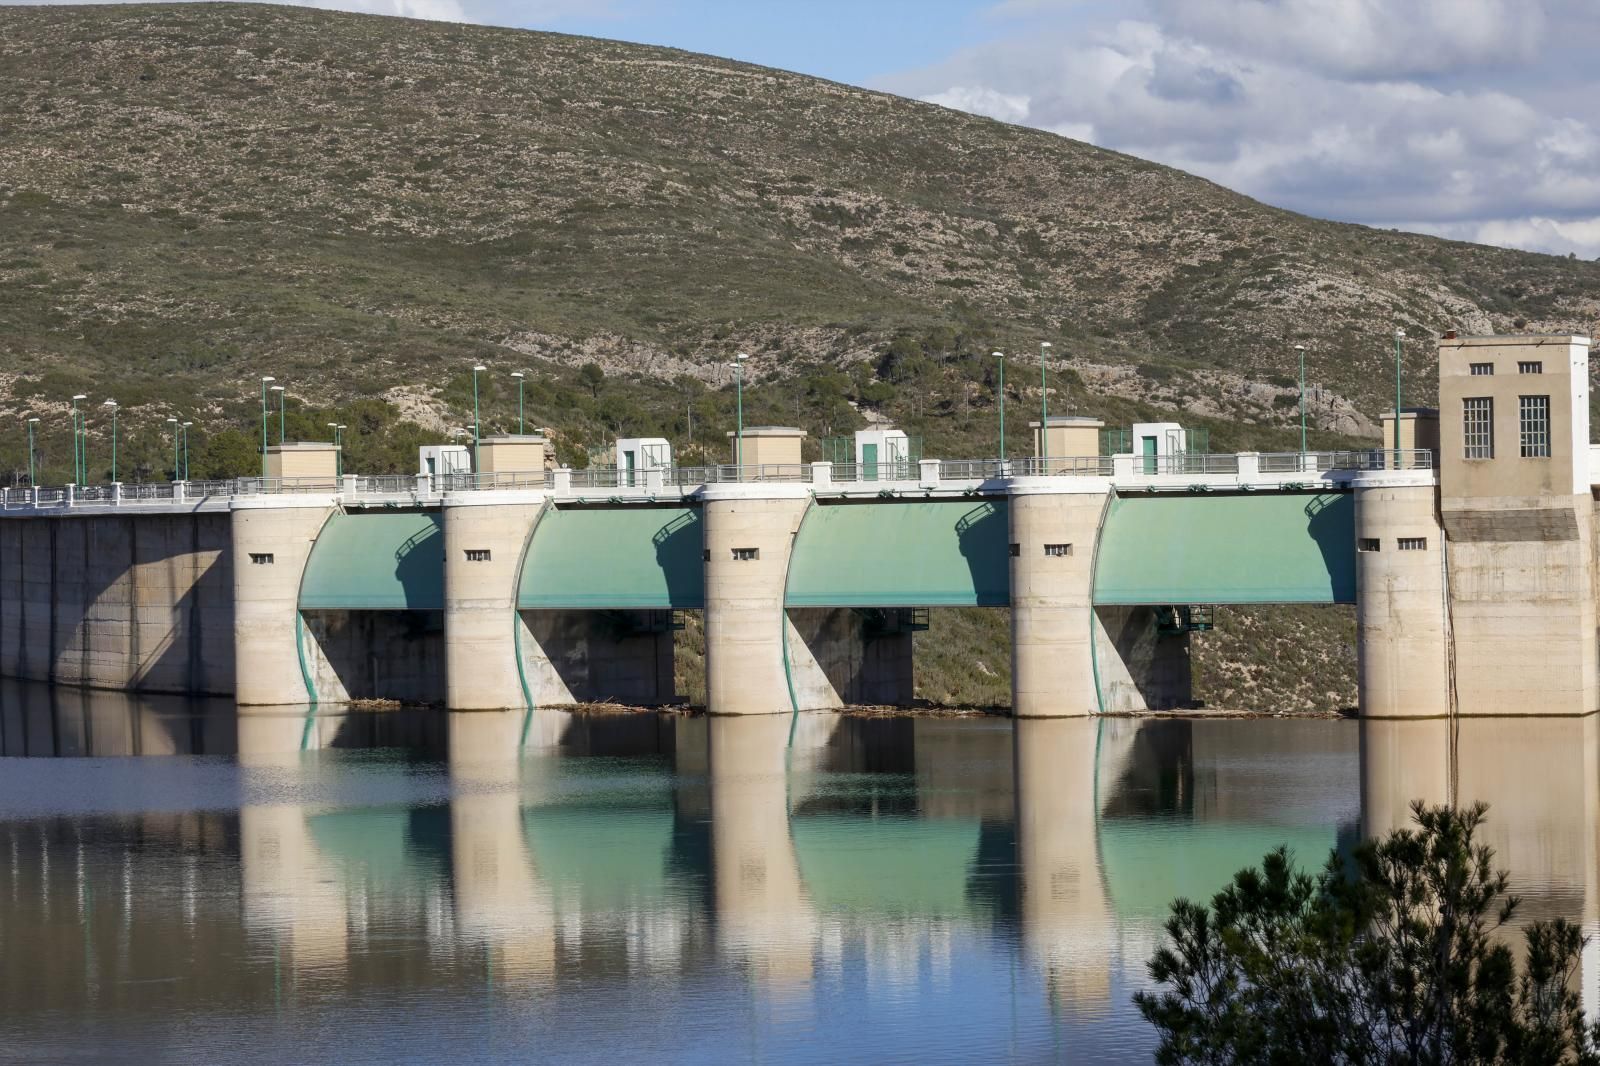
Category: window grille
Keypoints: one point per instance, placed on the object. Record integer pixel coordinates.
(1478, 426)
(1530, 368)
(1058, 549)
(1535, 424)
(261, 558)
(1413, 544)
(1482, 370)
(744, 555)
(1368, 544)
(477, 555)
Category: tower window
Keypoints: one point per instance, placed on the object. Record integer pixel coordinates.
(261, 558)
(1534, 421)
(1482, 370)
(1530, 368)
(477, 555)
(1478, 427)
(744, 555)
(1368, 544)
(1058, 549)
(1413, 544)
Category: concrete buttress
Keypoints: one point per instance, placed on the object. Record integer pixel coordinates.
(1401, 632)
(1054, 523)
(749, 532)
(272, 539)
(483, 542)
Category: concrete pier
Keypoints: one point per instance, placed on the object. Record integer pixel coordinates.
(1402, 649)
(271, 541)
(1054, 526)
(749, 532)
(484, 537)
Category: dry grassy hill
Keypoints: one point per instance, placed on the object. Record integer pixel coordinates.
(196, 194)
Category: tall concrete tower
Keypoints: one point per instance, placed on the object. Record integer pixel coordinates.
(1518, 516)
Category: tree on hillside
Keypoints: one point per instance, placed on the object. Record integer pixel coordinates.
(1389, 960)
(226, 454)
(592, 377)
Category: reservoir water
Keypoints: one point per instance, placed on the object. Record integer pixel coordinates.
(182, 884)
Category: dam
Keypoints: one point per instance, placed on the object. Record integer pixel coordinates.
(1466, 545)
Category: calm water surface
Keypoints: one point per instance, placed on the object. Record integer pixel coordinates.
(180, 884)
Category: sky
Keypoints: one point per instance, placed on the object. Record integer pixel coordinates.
(1473, 119)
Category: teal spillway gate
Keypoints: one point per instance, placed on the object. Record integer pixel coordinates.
(890, 553)
(1262, 548)
(615, 558)
(377, 562)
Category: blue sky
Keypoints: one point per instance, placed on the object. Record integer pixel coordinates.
(841, 40)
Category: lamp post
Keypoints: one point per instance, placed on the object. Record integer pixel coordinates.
(80, 443)
(1044, 405)
(32, 480)
(279, 390)
(1302, 350)
(1399, 338)
(177, 471)
(185, 428)
(738, 408)
(1002, 357)
(113, 405)
(518, 375)
(477, 428)
(338, 455)
(265, 381)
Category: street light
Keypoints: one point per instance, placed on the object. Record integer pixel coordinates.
(80, 444)
(338, 449)
(1302, 350)
(1044, 404)
(265, 381)
(177, 471)
(738, 401)
(477, 427)
(186, 426)
(113, 405)
(32, 480)
(1399, 337)
(1002, 357)
(279, 390)
(518, 375)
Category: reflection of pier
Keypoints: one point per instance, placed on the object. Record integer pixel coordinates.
(878, 849)
(1541, 779)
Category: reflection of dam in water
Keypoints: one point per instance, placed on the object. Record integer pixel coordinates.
(506, 854)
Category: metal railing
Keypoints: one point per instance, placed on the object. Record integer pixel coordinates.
(1370, 459)
(649, 481)
(1079, 465)
(1186, 464)
(379, 484)
(493, 479)
(728, 473)
(972, 469)
(267, 486)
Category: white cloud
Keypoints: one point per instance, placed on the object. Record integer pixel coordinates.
(1007, 107)
(1464, 117)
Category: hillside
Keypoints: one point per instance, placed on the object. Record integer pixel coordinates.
(195, 195)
